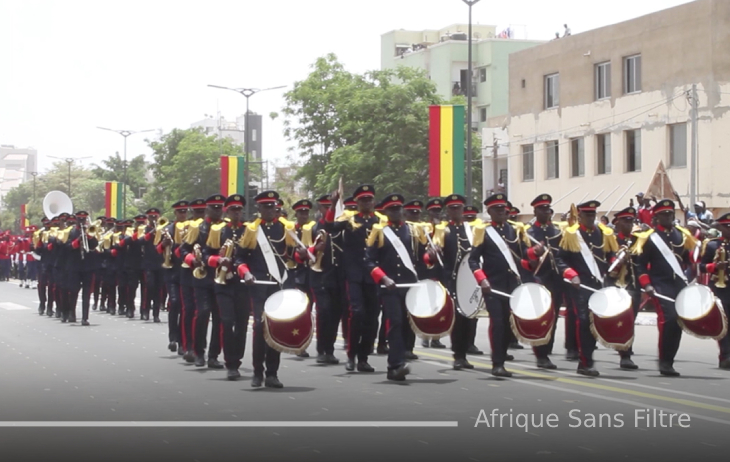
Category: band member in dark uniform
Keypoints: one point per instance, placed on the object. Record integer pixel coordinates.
(586, 251)
(101, 268)
(500, 259)
(622, 272)
(327, 280)
(714, 261)
(303, 228)
(350, 203)
(231, 295)
(133, 274)
(392, 249)
(453, 241)
(254, 263)
(664, 255)
(206, 306)
(171, 238)
(434, 209)
(361, 289)
(470, 216)
(154, 285)
(80, 266)
(197, 208)
(545, 232)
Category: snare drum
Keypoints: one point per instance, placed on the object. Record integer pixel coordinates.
(287, 319)
(612, 318)
(700, 313)
(430, 309)
(532, 317)
(469, 298)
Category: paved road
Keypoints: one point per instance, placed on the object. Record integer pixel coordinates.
(119, 371)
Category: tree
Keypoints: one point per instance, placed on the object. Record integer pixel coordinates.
(112, 169)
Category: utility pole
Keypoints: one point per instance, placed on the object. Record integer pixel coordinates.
(693, 149)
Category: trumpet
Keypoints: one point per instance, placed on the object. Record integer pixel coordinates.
(167, 252)
(321, 237)
(162, 222)
(221, 272)
(719, 278)
(199, 272)
(619, 265)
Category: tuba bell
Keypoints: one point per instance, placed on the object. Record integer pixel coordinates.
(167, 252)
(319, 256)
(221, 273)
(199, 272)
(719, 278)
(56, 203)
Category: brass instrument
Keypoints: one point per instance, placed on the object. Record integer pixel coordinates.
(221, 273)
(719, 278)
(319, 256)
(162, 222)
(84, 241)
(200, 272)
(619, 264)
(167, 252)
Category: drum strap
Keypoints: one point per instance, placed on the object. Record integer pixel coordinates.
(270, 257)
(668, 255)
(502, 246)
(588, 257)
(469, 233)
(400, 248)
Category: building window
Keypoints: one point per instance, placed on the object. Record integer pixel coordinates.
(553, 160)
(482, 74)
(678, 145)
(603, 80)
(603, 154)
(253, 135)
(552, 91)
(528, 162)
(482, 114)
(632, 74)
(633, 150)
(577, 157)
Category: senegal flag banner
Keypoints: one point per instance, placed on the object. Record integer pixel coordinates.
(114, 199)
(446, 150)
(232, 175)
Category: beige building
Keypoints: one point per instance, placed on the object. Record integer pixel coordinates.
(601, 109)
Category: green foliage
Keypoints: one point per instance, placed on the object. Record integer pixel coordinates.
(112, 169)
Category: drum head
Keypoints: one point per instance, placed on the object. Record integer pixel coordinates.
(468, 294)
(425, 299)
(694, 302)
(609, 302)
(530, 301)
(286, 304)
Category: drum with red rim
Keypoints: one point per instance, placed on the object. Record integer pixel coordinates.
(700, 313)
(532, 317)
(430, 309)
(612, 318)
(288, 325)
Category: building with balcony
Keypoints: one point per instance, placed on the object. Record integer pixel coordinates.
(17, 165)
(605, 107)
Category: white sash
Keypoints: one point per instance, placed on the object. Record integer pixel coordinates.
(469, 233)
(668, 255)
(589, 258)
(400, 248)
(270, 257)
(502, 246)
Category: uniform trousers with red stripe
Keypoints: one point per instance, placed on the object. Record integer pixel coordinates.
(206, 308)
(586, 342)
(174, 318)
(153, 291)
(187, 314)
(499, 328)
(265, 359)
(670, 332)
(394, 309)
(235, 306)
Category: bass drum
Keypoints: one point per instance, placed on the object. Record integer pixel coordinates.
(532, 316)
(469, 298)
(612, 318)
(288, 325)
(430, 309)
(700, 313)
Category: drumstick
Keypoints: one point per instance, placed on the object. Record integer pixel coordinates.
(663, 297)
(268, 283)
(582, 286)
(403, 286)
(294, 236)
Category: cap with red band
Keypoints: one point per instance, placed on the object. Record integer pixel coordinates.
(454, 199)
(215, 199)
(542, 199)
(588, 206)
(664, 205)
(197, 204)
(628, 212)
(496, 200)
(364, 190)
(303, 204)
(324, 200)
(267, 197)
(393, 200)
(413, 205)
(724, 220)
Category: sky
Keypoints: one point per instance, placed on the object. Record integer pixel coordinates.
(69, 66)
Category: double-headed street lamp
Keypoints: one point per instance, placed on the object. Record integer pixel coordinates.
(247, 92)
(470, 3)
(69, 161)
(125, 134)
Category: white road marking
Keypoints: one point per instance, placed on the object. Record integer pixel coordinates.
(10, 306)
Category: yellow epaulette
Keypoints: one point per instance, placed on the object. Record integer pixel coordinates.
(214, 235)
(383, 218)
(521, 230)
(248, 239)
(704, 244)
(418, 232)
(376, 233)
(307, 233)
(610, 244)
(288, 226)
(226, 220)
(179, 232)
(479, 232)
(439, 235)
(641, 239)
(62, 235)
(689, 242)
(349, 216)
(193, 231)
(570, 241)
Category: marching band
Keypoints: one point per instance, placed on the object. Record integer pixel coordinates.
(428, 276)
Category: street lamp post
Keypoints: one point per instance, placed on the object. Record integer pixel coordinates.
(247, 92)
(35, 174)
(125, 134)
(470, 3)
(69, 161)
